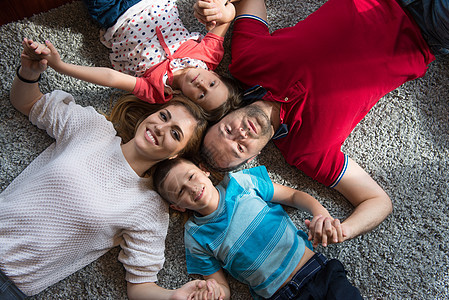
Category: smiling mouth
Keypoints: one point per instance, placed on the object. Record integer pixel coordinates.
(200, 195)
(195, 78)
(252, 126)
(151, 137)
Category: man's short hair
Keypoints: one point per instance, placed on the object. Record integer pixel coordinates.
(207, 157)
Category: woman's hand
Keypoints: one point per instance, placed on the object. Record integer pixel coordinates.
(208, 290)
(43, 52)
(32, 64)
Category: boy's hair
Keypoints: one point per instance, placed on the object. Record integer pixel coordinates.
(233, 101)
(207, 157)
(130, 111)
(161, 171)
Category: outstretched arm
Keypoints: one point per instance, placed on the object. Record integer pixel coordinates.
(151, 291)
(23, 94)
(298, 199)
(329, 232)
(98, 75)
(372, 204)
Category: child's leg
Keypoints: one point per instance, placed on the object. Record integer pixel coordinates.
(106, 12)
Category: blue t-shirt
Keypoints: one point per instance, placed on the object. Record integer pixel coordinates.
(248, 235)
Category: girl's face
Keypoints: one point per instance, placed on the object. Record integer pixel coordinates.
(165, 133)
(204, 88)
(188, 187)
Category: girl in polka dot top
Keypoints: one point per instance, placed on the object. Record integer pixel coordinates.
(155, 57)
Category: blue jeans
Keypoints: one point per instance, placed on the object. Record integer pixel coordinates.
(319, 278)
(106, 12)
(432, 16)
(8, 290)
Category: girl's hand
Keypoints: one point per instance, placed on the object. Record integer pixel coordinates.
(227, 10)
(214, 12)
(51, 54)
(38, 51)
(207, 13)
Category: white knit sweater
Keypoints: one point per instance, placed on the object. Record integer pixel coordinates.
(77, 200)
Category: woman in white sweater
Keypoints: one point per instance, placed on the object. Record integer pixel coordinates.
(89, 191)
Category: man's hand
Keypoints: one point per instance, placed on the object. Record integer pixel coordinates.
(325, 231)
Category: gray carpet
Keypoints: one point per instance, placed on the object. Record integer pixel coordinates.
(403, 143)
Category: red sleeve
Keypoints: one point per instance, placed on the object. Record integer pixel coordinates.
(210, 50)
(213, 50)
(150, 87)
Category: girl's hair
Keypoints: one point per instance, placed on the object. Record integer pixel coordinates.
(130, 111)
(233, 102)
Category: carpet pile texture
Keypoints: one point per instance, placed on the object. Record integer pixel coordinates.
(403, 143)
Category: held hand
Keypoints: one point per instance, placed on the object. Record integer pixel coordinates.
(34, 50)
(325, 231)
(31, 67)
(208, 290)
(207, 13)
(52, 55)
(227, 10)
(38, 51)
(214, 12)
(215, 290)
(191, 287)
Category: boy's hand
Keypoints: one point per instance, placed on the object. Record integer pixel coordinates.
(325, 231)
(214, 12)
(208, 290)
(187, 289)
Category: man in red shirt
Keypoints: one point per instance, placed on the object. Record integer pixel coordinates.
(313, 83)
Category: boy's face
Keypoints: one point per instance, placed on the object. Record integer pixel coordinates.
(205, 88)
(188, 187)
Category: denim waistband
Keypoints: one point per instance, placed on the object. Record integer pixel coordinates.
(312, 266)
(432, 18)
(8, 290)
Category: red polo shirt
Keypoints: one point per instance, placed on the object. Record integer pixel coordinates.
(328, 71)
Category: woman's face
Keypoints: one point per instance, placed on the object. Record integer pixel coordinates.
(165, 133)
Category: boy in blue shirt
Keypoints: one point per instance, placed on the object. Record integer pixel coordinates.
(240, 226)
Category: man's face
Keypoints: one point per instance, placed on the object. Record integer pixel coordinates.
(239, 136)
